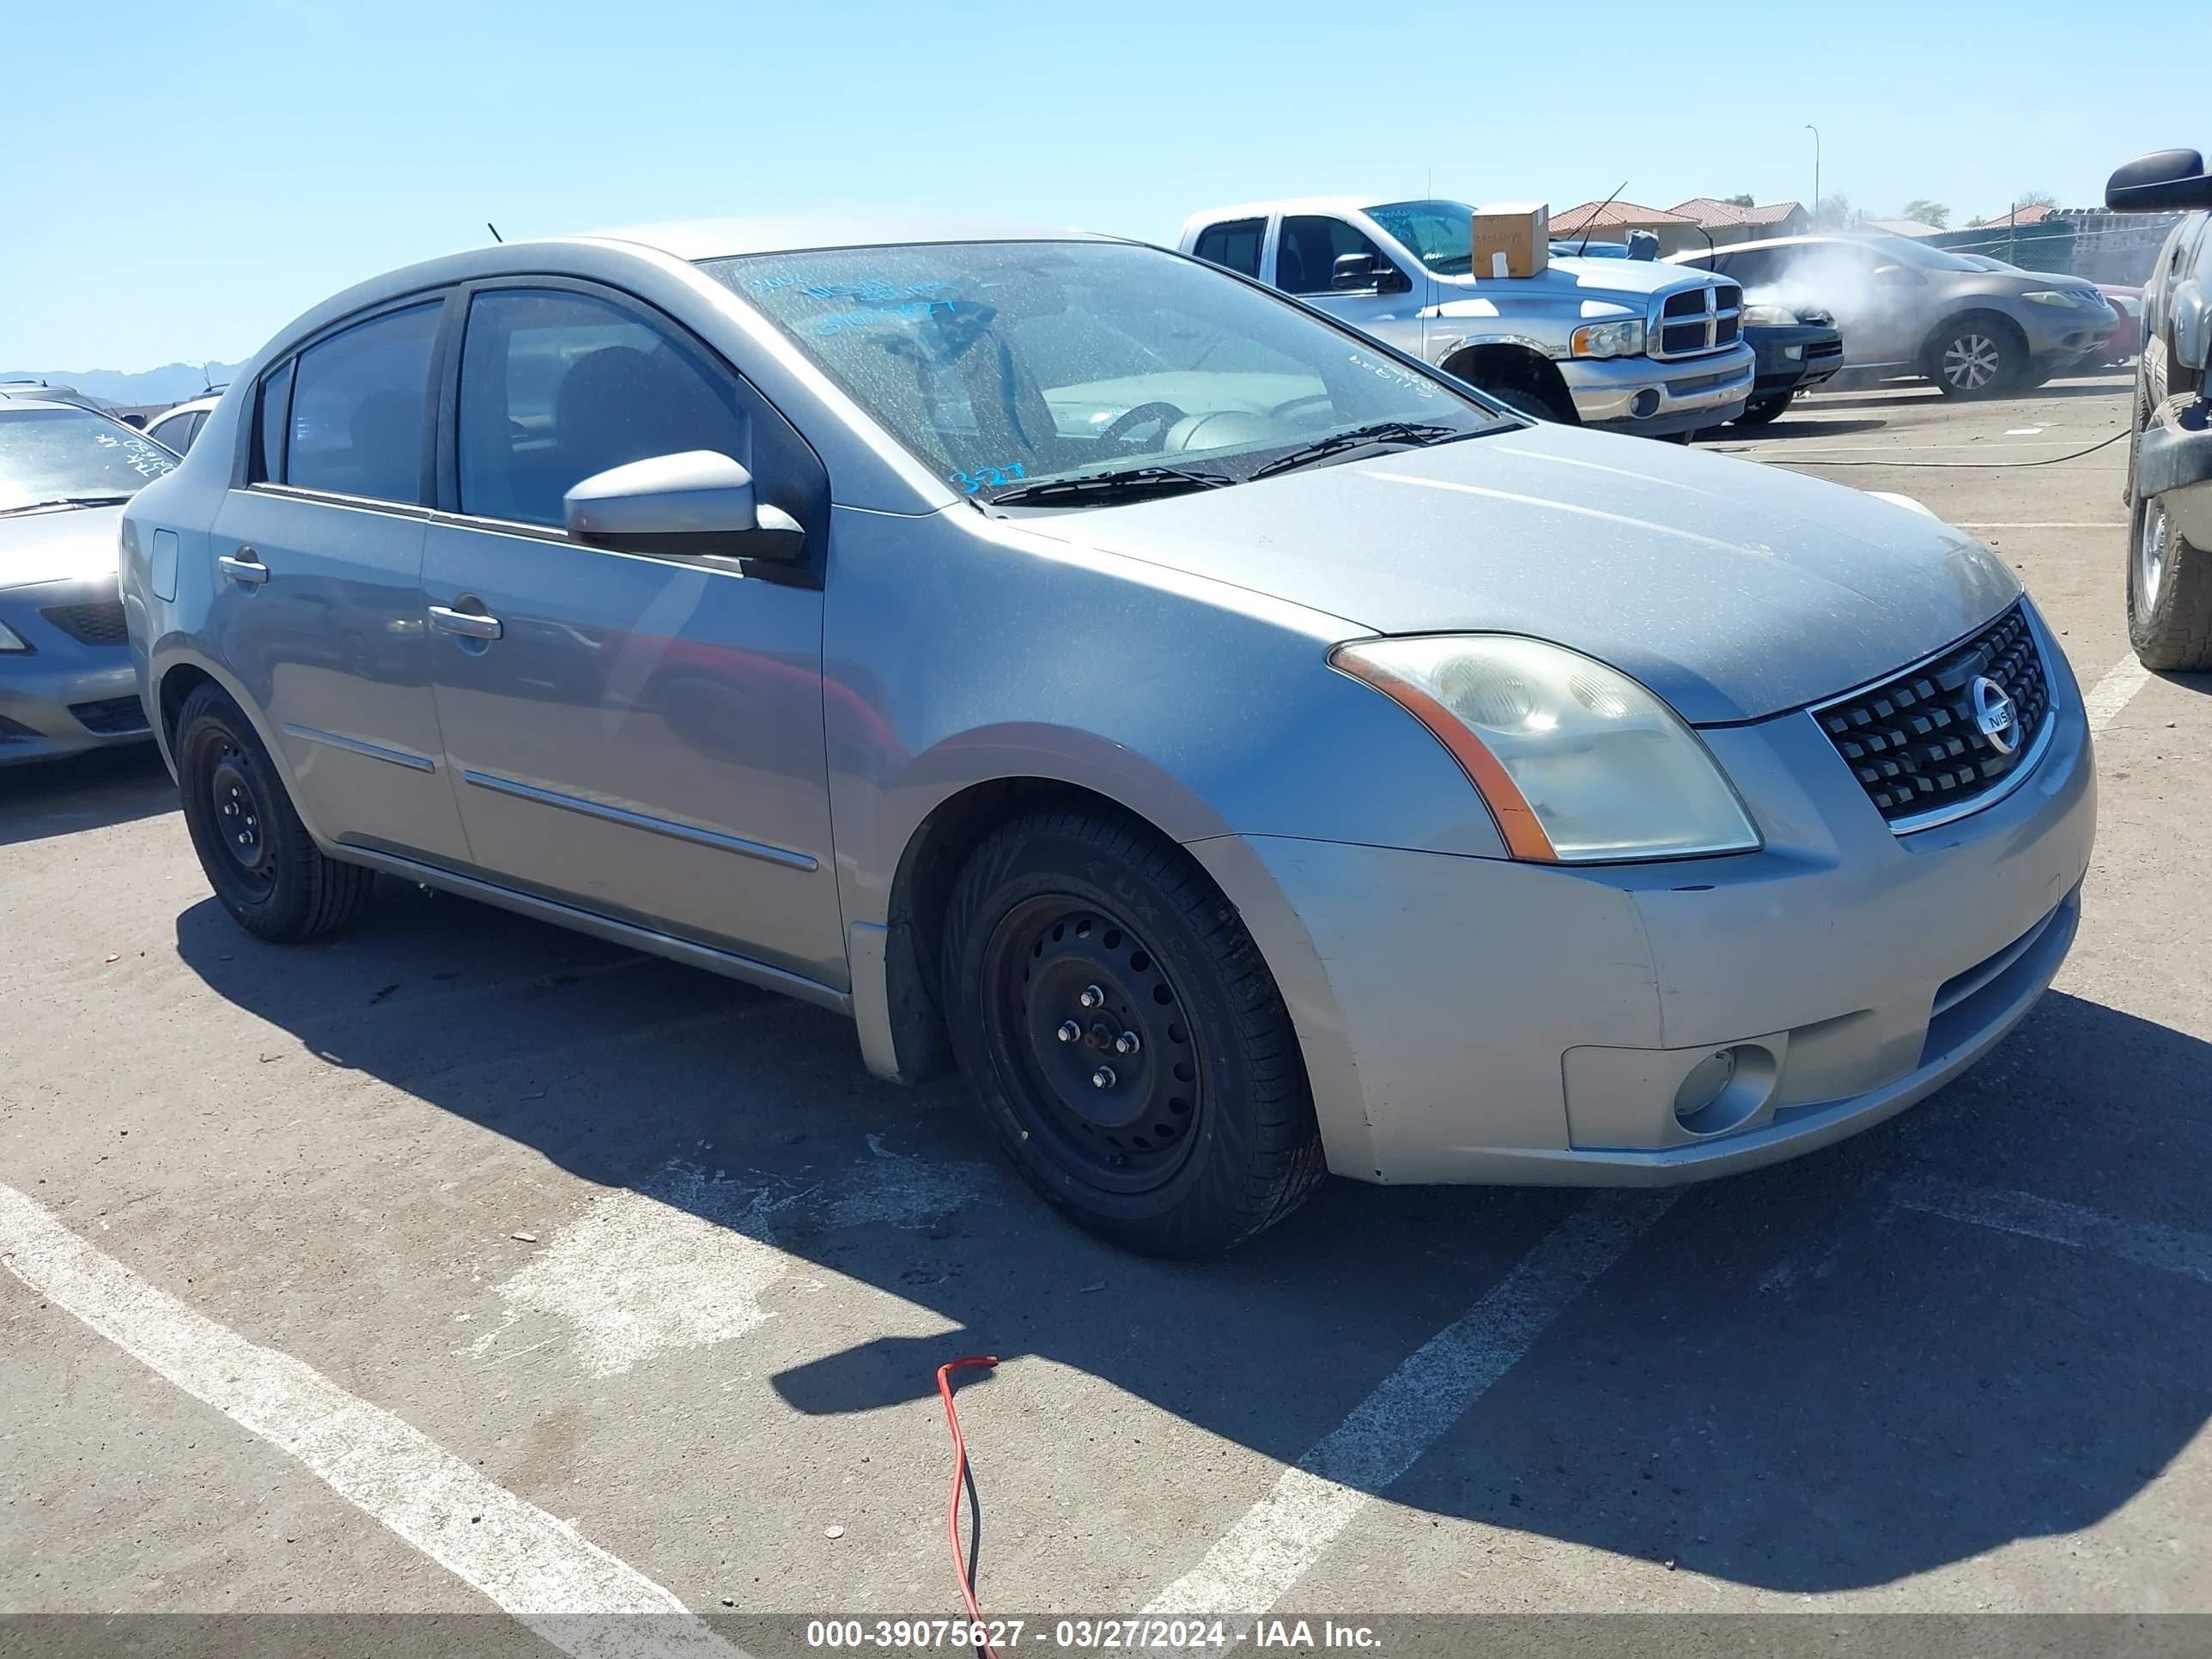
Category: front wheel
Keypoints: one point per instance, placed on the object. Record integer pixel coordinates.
(2169, 593)
(1978, 356)
(264, 868)
(1125, 1041)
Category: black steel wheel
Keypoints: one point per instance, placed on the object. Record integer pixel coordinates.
(264, 866)
(1763, 411)
(1127, 1043)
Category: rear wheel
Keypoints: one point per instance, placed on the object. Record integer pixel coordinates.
(264, 868)
(1760, 411)
(1978, 356)
(2169, 593)
(1125, 1041)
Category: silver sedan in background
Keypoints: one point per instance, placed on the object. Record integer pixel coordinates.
(66, 682)
(1244, 750)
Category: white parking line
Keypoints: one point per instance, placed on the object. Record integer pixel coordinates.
(2041, 523)
(1269, 1550)
(2102, 701)
(537, 1568)
(2171, 1249)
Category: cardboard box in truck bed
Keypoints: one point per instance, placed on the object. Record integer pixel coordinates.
(1512, 239)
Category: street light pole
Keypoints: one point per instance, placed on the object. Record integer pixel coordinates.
(1815, 131)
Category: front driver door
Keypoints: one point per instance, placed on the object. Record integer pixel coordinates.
(638, 736)
(1306, 252)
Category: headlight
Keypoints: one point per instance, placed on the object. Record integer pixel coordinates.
(2060, 296)
(1769, 317)
(10, 639)
(1578, 762)
(1621, 339)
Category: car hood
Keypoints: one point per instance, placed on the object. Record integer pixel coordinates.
(1731, 589)
(1593, 278)
(66, 544)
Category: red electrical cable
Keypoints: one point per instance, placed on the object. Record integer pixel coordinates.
(959, 1477)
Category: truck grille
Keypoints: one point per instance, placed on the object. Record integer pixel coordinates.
(99, 622)
(111, 716)
(1915, 742)
(1698, 319)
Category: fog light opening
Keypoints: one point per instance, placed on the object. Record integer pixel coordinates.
(1645, 405)
(1725, 1089)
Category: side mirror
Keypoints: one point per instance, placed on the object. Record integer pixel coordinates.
(1352, 273)
(697, 504)
(1897, 277)
(2163, 181)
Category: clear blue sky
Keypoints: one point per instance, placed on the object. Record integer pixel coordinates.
(183, 178)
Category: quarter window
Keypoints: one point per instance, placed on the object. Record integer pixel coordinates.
(1311, 244)
(1234, 246)
(361, 407)
(557, 386)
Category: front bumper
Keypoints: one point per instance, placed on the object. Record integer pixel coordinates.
(2173, 463)
(62, 696)
(1683, 395)
(1820, 355)
(1472, 1019)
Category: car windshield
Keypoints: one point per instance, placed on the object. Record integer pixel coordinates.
(1919, 253)
(60, 456)
(1440, 234)
(1001, 365)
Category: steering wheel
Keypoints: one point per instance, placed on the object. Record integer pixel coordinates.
(1130, 419)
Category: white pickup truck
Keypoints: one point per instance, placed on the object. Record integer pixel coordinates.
(1626, 345)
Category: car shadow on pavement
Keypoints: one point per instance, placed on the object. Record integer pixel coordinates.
(1979, 1322)
(83, 791)
(1795, 426)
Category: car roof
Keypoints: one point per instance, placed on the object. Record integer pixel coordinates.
(56, 403)
(1287, 204)
(713, 239)
(185, 408)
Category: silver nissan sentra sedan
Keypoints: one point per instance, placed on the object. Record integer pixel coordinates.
(1245, 751)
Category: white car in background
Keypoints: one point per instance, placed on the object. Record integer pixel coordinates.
(176, 427)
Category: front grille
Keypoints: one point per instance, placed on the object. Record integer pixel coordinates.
(111, 716)
(1916, 743)
(99, 622)
(1821, 348)
(1697, 319)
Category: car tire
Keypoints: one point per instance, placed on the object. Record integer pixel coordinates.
(2169, 593)
(1979, 355)
(1527, 400)
(1071, 935)
(264, 868)
(1763, 411)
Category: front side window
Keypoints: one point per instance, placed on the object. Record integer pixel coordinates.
(1440, 234)
(557, 386)
(1002, 364)
(361, 407)
(1305, 259)
(62, 458)
(1234, 246)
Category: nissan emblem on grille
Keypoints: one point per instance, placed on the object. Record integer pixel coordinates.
(1951, 734)
(1993, 713)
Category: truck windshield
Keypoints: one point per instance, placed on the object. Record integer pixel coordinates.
(1001, 365)
(1440, 234)
(72, 457)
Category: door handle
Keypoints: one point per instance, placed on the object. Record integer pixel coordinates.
(469, 624)
(244, 566)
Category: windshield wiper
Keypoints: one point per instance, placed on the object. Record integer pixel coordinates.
(66, 500)
(1129, 484)
(1382, 432)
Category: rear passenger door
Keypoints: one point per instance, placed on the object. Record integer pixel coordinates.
(637, 734)
(318, 594)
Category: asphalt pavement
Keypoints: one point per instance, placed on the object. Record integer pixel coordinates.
(460, 1265)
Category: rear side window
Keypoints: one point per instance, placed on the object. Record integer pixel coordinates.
(1235, 246)
(1306, 259)
(272, 411)
(361, 403)
(556, 386)
(179, 433)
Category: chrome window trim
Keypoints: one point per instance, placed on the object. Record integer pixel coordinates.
(332, 498)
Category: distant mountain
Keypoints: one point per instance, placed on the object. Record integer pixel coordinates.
(170, 383)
